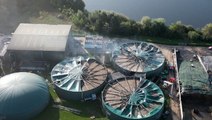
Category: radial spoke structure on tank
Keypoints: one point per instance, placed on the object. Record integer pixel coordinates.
(132, 97)
(79, 74)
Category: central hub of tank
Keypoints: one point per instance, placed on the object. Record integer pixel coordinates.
(78, 70)
(78, 78)
(138, 57)
(142, 55)
(137, 97)
(132, 98)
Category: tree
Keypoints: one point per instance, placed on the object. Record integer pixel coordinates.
(66, 4)
(207, 31)
(79, 19)
(158, 27)
(146, 23)
(153, 27)
(107, 22)
(193, 35)
(98, 20)
(56, 3)
(125, 28)
(106, 28)
(67, 12)
(178, 30)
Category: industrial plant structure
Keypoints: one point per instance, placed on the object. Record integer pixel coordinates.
(79, 78)
(132, 98)
(35, 46)
(39, 42)
(22, 96)
(98, 44)
(138, 57)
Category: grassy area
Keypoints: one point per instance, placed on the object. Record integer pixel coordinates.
(88, 109)
(173, 41)
(48, 18)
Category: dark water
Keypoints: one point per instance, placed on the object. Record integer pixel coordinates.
(193, 12)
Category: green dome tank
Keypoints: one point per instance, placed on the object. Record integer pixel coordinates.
(131, 98)
(22, 96)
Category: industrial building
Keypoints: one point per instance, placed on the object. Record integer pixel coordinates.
(132, 98)
(138, 57)
(4, 41)
(98, 44)
(79, 78)
(39, 42)
(22, 96)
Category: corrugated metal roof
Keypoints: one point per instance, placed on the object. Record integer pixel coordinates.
(40, 37)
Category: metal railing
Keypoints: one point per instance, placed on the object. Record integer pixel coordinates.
(178, 82)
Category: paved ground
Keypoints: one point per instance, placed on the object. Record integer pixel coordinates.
(174, 100)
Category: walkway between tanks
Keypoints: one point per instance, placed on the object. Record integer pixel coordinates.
(175, 104)
(174, 107)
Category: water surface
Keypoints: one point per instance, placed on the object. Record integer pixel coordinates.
(193, 12)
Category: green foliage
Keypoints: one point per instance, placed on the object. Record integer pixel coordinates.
(207, 31)
(158, 27)
(178, 30)
(79, 19)
(153, 27)
(55, 3)
(92, 109)
(193, 35)
(75, 5)
(129, 28)
(146, 22)
(67, 12)
(110, 23)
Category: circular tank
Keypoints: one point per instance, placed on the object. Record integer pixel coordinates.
(78, 78)
(22, 96)
(132, 98)
(138, 57)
